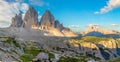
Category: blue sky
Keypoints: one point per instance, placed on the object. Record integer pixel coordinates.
(78, 14)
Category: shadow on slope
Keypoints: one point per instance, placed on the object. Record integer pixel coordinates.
(99, 34)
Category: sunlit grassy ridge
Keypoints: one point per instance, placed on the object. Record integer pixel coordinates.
(94, 39)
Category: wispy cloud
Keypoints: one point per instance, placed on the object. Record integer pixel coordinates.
(93, 25)
(111, 4)
(114, 25)
(9, 10)
(38, 2)
(74, 26)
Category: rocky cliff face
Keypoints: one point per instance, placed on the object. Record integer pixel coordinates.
(31, 18)
(58, 25)
(101, 48)
(47, 21)
(17, 21)
(49, 24)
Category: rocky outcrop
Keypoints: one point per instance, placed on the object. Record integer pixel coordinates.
(41, 57)
(58, 25)
(17, 21)
(31, 18)
(104, 49)
(68, 33)
(49, 24)
(47, 21)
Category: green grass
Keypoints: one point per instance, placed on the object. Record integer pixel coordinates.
(51, 55)
(94, 39)
(4, 37)
(11, 40)
(69, 59)
(32, 52)
(26, 58)
(114, 60)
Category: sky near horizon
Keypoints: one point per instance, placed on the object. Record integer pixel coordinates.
(75, 14)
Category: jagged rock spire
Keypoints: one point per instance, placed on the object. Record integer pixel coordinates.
(47, 20)
(31, 18)
(17, 21)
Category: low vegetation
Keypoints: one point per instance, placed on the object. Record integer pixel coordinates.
(94, 39)
(12, 40)
(31, 52)
(114, 60)
(76, 59)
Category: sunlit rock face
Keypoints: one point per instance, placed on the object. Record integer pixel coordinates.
(47, 21)
(31, 18)
(103, 49)
(17, 21)
(49, 24)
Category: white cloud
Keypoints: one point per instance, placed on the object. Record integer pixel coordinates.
(38, 2)
(74, 26)
(39, 17)
(24, 7)
(111, 4)
(114, 25)
(93, 25)
(9, 10)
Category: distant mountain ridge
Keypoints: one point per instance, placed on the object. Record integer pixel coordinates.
(96, 31)
(47, 23)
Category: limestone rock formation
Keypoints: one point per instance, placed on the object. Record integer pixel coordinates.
(17, 21)
(31, 18)
(49, 24)
(47, 21)
(58, 25)
(103, 49)
(68, 33)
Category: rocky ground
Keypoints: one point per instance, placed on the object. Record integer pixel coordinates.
(24, 45)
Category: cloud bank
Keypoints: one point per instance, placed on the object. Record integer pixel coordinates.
(9, 10)
(111, 4)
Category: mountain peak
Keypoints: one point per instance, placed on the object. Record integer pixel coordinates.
(31, 18)
(47, 20)
(94, 30)
(47, 11)
(31, 8)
